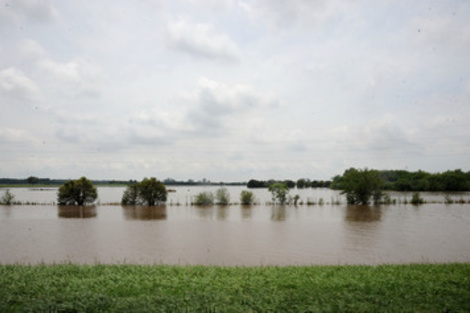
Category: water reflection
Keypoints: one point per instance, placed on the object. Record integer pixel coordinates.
(144, 213)
(363, 213)
(204, 211)
(278, 213)
(220, 212)
(246, 211)
(77, 211)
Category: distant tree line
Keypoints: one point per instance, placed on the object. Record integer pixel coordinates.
(32, 180)
(204, 182)
(401, 180)
(300, 183)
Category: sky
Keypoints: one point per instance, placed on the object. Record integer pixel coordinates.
(230, 90)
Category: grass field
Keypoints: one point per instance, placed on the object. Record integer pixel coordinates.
(134, 288)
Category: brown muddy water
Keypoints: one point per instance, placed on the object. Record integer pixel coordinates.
(234, 235)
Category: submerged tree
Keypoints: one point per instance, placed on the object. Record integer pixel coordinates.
(279, 192)
(7, 197)
(147, 192)
(77, 192)
(360, 185)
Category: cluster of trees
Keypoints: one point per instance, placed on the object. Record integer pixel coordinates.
(82, 191)
(147, 192)
(203, 182)
(300, 183)
(222, 197)
(401, 180)
(31, 180)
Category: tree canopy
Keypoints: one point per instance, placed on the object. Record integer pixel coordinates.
(279, 192)
(77, 192)
(360, 185)
(147, 192)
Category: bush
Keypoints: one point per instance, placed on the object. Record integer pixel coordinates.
(8, 197)
(77, 192)
(204, 198)
(279, 192)
(222, 196)
(247, 197)
(416, 199)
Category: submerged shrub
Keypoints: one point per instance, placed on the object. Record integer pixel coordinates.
(8, 197)
(204, 198)
(222, 196)
(247, 197)
(279, 192)
(416, 199)
(448, 200)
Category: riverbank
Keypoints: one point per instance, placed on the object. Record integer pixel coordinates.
(161, 288)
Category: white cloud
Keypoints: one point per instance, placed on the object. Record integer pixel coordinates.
(15, 85)
(201, 40)
(14, 12)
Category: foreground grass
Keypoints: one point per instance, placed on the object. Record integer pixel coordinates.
(133, 288)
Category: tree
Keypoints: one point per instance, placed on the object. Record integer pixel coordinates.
(77, 192)
(147, 192)
(222, 196)
(279, 192)
(131, 195)
(360, 185)
(247, 197)
(32, 180)
(302, 183)
(8, 197)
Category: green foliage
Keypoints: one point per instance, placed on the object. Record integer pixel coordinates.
(360, 185)
(401, 180)
(222, 196)
(204, 198)
(147, 192)
(302, 183)
(32, 180)
(142, 288)
(279, 192)
(7, 197)
(131, 195)
(247, 197)
(77, 192)
(416, 199)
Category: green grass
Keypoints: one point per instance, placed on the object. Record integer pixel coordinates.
(134, 288)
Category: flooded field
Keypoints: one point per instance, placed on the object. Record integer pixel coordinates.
(233, 235)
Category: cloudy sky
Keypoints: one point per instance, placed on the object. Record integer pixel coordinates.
(232, 89)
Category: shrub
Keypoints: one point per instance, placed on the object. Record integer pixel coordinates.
(247, 197)
(8, 197)
(416, 199)
(222, 196)
(279, 192)
(204, 198)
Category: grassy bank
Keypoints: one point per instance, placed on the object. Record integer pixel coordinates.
(72, 288)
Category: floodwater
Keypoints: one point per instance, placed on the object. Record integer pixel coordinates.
(233, 235)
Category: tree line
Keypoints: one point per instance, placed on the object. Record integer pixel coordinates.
(402, 180)
(300, 183)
